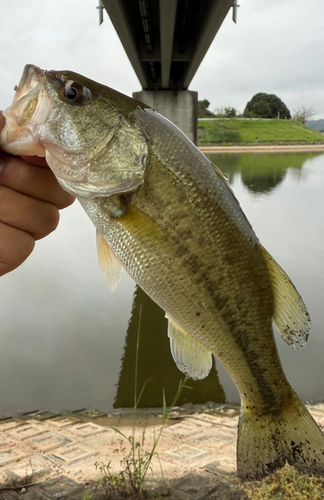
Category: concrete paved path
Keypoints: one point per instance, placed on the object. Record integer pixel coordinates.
(59, 452)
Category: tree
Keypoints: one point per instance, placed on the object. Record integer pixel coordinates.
(227, 112)
(203, 111)
(304, 114)
(264, 105)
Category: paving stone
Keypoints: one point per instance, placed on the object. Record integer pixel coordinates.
(5, 441)
(11, 424)
(192, 487)
(183, 430)
(186, 453)
(11, 455)
(206, 417)
(31, 467)
(60, 487)
(87, 429)
(51, 441)
(29, 413)
(212, 437)
(3, 418)
(102, 440)
(27, 431)
(227, 449)
(196, 421)
(13, 496)
(72, 454)
(89, 466)
(227, 412)
(223, 466)
(72, 447)
(80, 410)
(111, 458)
(167, 469)
(92, 414)
(61, 422)
(32, 493)
(46, 415)
(316, 414)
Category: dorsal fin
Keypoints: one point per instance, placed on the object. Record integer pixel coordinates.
(110, 266)
(191, 357)
(290, 313)
(219, 172)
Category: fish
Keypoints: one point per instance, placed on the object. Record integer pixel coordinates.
(167, 215)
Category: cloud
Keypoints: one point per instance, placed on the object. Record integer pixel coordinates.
(276, 47)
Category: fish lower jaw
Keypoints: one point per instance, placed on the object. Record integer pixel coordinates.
(21, 141)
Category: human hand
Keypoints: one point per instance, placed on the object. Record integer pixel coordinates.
(30, 200)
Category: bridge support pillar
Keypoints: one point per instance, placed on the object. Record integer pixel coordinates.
(179, 106)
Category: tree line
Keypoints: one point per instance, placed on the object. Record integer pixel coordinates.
(261, 105)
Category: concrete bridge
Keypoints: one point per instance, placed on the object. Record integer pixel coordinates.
(165, 41)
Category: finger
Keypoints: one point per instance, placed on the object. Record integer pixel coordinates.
(39, 183)
(15, 247)
(35, 160)
(37, 217)
(2, 121)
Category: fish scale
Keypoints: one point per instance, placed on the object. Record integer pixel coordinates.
(178, 296)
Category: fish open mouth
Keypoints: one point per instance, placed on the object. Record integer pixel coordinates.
(30, 109)
(31, 77)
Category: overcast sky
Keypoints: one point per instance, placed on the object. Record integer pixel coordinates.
(276, 47)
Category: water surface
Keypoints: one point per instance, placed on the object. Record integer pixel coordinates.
(67, 342)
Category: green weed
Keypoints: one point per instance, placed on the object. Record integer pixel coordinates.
(251, 131)
(286, 484)
(136, 459)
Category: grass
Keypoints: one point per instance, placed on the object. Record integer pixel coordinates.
(231, 131)
(286, 484)
(136, 459)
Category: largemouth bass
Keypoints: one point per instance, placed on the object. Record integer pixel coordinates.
(167, 215)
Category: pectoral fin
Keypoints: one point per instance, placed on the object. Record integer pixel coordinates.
(191, 357)
(290, 314)
(109, 265)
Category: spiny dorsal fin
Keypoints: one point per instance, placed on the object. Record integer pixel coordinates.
(219, 172)
(191, 357)
(290, 313)
(109, 265)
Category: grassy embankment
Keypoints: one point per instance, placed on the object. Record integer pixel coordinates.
(245, 132)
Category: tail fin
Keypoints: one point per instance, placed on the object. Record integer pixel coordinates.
(266, 442)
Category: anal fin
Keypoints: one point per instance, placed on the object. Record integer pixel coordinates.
(109, 265)
(190, 356)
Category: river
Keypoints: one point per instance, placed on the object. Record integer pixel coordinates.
(67, 342)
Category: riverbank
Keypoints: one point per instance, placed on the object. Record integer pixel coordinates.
(49, 456)
(247, 132)
(263, 148)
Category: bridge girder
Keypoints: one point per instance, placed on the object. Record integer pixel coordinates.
(166, 40)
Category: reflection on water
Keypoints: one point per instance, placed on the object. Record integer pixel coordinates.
(155, 363)
(63, 331)
(260, 173)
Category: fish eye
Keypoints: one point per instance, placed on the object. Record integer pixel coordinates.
(73, 93)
